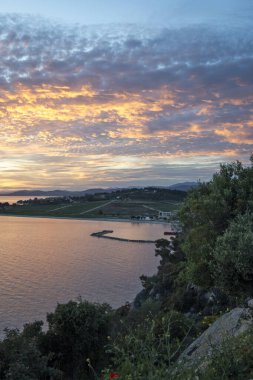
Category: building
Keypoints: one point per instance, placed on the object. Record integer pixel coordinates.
(164, 214)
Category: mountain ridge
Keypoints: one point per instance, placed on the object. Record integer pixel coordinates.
(183, 186)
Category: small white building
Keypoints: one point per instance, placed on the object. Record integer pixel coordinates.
(164, 214)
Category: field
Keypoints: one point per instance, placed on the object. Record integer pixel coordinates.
(94, 209)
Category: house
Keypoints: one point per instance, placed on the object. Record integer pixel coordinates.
(164, 214)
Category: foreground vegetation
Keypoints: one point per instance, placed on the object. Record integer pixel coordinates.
(212, 255)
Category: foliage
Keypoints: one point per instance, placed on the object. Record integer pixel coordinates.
(149, 349)
(232, 266)
(165, 286)
(77, 332)
(150, 193)
(233, 360)
(207, 213)
(76, 335)
(214, 250)
(20, 356)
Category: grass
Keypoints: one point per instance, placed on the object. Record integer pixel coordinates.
(60, 210)
(93, 209)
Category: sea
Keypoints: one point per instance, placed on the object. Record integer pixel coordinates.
(45, 261)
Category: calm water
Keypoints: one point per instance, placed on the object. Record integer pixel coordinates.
(45, 261)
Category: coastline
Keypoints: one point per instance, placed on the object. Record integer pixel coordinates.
(89, 219)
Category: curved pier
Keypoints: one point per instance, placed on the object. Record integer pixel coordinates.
(103, 234)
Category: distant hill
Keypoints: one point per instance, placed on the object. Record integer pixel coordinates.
(184, 186)
(40, 193)
(56, 193)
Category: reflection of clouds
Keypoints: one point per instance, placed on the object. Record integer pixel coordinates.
(147, 97)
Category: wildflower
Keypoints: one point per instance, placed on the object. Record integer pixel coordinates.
(113, 375)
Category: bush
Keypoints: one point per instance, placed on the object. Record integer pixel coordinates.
(206, 214)
(148, 350)
(20, 356)
(232, 267)
(77, 332)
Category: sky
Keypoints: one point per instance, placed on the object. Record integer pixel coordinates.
(105, 94)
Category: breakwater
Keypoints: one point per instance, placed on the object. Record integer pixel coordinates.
(104, 234)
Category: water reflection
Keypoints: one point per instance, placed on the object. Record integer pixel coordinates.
(45, 261)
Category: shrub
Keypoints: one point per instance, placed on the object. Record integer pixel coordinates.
(148, 350)
(206, 214)
(20, 356)
(232, 267)
(77, 332)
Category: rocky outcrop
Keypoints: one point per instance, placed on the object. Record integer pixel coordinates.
(205, 301)
(229, 325)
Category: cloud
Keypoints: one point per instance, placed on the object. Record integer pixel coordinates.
(133, 92)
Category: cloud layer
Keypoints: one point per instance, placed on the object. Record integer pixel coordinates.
(100, 106)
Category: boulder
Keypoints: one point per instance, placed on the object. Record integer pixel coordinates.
(228, 325)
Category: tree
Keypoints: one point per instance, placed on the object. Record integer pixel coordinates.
(208, 211)
(77, 331)
(232, 267)
(21, 358)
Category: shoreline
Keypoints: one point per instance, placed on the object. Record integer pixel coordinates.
(118, 220)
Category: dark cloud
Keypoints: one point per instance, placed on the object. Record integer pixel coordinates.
(122, 59)
(148, 92)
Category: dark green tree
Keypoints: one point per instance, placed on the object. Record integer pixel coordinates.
(232, 265)
(77, 331)
(208, 211)
(21, 358)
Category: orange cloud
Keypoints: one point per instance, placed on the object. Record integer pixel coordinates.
(26, 107)
(240, 135)
(41, 122)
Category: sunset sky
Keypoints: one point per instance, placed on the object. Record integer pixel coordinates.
(116, 93)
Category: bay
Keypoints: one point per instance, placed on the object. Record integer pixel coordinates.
(47, 261)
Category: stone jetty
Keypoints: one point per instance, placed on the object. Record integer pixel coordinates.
(104, 234)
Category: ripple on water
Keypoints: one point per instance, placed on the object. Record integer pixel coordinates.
(45, 261)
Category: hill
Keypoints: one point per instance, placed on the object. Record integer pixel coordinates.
(184, 186)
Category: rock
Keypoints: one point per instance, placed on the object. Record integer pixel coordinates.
(230, 324)
(201, 299)
(250, 303)
(210, 297)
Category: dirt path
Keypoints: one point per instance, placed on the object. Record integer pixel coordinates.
(96, 208)
(59, 208)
